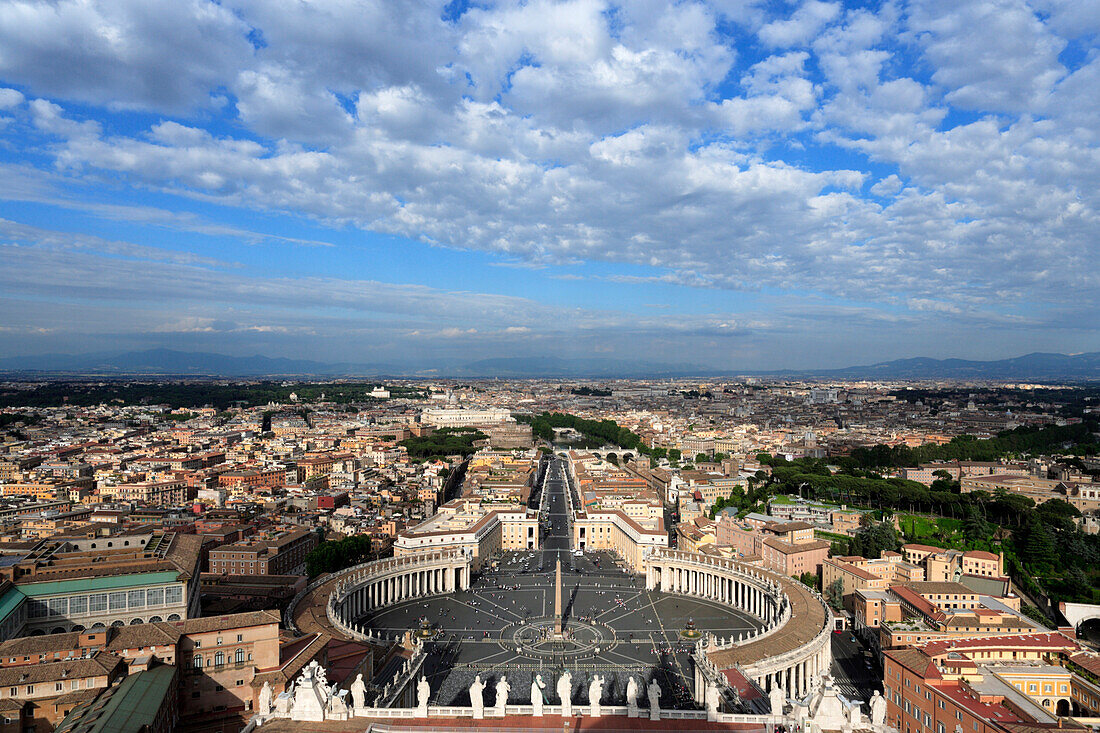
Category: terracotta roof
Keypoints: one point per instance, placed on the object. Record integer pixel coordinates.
(230, 621)
(1050, 640)
(914, 660)
(808, 618)
(143, 635)
(98, 665)
(34, 645)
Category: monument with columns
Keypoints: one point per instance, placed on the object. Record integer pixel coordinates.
(785, 646)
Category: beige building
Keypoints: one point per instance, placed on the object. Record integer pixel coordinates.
(631, 538)
(1085, 496)
(475, 527)
(949, 565)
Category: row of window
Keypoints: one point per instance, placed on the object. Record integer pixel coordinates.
(1047, 687)
(102, 602)
(239, 657)
(89, 682)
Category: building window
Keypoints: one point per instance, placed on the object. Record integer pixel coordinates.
(238, 657)
(198, 661)
(219, 659)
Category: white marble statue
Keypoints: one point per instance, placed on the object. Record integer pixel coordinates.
(476, 701)
(710, 700)
(264, 706)
(537, 686)
(632, 694)
(503, 688)
(337, 706)
(282, 703)
(855, 715)
(777, 700)
(359, 692)
(878, 709)
(320, 673)
(423, 692)
(595, 692)
(311, 695)
(565, 693)
(654, 694)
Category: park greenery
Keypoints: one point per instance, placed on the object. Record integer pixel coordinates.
(1078, 439)
(194, 394)
(1046, 553)
(597, 433)
(443, 442)
(590, 392)
(332, 555)
(11, 418)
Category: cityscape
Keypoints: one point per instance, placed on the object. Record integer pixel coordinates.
(390, 366)
(217, 555)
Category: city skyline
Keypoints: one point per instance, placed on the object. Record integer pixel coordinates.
(737, 185)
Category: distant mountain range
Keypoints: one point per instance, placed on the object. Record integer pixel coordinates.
(1035, 366)
(182, 363)
(166, 362)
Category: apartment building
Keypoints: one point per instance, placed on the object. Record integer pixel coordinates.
(786, 547)
(80, 584)
(630, 537)
(860, 573)
(948, 565)
(915, 613)
(277, 552)
(36, 697)
(218, 658)
(996, 684)
(476, 527)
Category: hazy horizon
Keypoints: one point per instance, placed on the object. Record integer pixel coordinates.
(758, 184)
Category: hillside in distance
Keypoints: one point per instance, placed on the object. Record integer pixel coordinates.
(167, 363)
(1033, 366)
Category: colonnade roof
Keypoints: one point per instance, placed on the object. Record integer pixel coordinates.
(808, 617)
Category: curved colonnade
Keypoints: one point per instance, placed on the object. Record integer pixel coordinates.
(377, 584)
(787, 653)
(791, 649)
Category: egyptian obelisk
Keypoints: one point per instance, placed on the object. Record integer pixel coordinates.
(557, 601)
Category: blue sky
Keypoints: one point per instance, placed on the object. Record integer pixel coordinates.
(739, 184)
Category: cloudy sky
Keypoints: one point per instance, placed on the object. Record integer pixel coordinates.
(737, 184)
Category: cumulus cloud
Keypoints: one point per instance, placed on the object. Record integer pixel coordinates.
(929, 156)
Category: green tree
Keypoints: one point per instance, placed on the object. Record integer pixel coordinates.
(834, 594)
(1038, 547)
(809, 579)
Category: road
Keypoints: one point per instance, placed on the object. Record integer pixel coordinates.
(856, 674)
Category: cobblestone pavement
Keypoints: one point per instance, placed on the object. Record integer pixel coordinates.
(633, 631)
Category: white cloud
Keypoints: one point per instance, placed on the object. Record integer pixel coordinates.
(801, 27)
(10, 98)
(559, 133)
(992, 55)
(123, 53)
